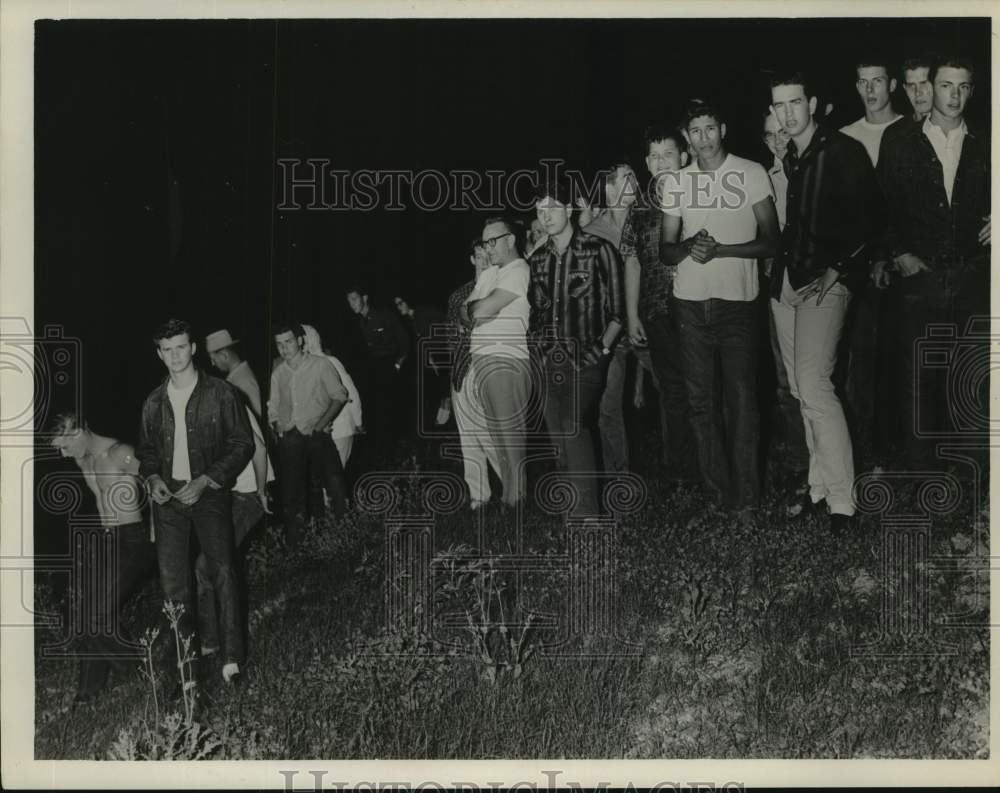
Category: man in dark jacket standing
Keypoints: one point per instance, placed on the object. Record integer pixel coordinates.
(194, 441)
(834, 211)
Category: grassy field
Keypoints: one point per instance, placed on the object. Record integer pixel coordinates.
(726, 642)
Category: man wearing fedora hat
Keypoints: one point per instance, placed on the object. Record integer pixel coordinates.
(221, 349)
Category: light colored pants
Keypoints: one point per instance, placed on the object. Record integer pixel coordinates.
(808, 336)
(490, 411)
(344, 446)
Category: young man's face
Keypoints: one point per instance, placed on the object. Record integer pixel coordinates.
(535, 231)
(775, 138)
(792, 108)
(356, 302)
(620, 188)
(176, 352)
(918, 89)
(705, 135)
(71, 443)
(952, 89)
(874, 87)
(665, 155)
(553, 215)
(288, 346)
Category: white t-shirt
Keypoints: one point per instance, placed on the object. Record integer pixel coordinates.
(506, 333)
(870, 135)
(721, 202)
(178, 401)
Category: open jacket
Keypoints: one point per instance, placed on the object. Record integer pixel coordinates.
(220, 442)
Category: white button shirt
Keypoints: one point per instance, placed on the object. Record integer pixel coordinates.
(948, 147)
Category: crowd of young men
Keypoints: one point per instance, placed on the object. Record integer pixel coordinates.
(856, 239)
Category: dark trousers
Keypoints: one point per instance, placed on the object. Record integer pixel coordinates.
(668, 363)
(299, 454)
(719, 340)
(211, 519)
(109, 566)
(866, 386)
(571, 400)
(247, 510)
(944, 378)
(382, 424)
(794, 452)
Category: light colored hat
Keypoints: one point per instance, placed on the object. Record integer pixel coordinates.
(219, 341)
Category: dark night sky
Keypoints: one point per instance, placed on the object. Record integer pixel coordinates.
(125, 109)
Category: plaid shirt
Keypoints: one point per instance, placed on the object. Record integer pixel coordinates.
(921, 220)
(459, 337)
(641, 239)
(575, 296)
(834, 206)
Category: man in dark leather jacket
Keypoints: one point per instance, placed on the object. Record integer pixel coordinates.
(194, 441)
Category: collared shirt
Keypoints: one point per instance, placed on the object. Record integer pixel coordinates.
(575, 295)
(384, 334)
(923, 221)
(300, 396)
(779, 182)
(243, 378)
(834, 209)
(948, 148)
(458, 339)
(641, 239)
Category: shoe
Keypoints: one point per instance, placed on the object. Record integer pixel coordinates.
(802, 505)
(841, 525)
(231, 674)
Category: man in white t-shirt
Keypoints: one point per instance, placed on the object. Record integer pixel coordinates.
(718, 219)
(493, 400)
(875, 88)
(866, 393)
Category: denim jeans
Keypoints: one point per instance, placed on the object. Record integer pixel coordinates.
(211, 518)
(571, 401)
(611, 420)
(668, 363)
(109, 567)
(247, 511)
(299, 453)
(719, 339)
(944, 379)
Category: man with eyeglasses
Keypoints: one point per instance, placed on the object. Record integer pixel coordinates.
(494, 396)
(576, 297)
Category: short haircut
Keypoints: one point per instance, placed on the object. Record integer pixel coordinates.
(923, 61)
(515, 227)
(797, 77)
(952, 62)
(873, 60)
(698, 108)
(289, 327)
(660, 131)
(171, 328)
(559, 188)
(356, 287)
(65, 423)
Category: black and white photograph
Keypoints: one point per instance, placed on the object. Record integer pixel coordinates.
(497, 384)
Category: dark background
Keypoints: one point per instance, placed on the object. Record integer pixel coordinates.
(157, 142)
